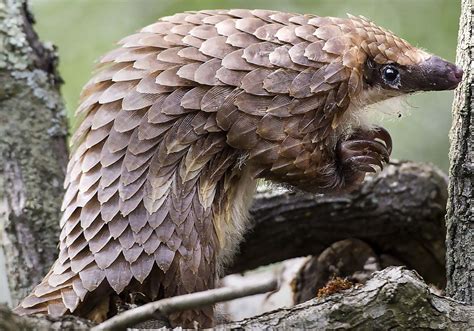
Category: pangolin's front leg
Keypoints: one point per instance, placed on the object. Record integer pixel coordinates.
(361, 152)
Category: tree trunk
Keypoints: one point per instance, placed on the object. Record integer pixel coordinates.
(460, 216)
(33, 151)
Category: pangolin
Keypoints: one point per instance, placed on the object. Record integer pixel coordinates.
(179, 122)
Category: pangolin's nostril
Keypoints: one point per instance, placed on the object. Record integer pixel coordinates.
(458, 72)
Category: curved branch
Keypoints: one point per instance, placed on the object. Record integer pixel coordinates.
(399, 212)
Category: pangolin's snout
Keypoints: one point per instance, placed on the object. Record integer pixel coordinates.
(441, 74)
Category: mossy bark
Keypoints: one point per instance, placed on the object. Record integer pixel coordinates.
(460, 216)
(33, 151)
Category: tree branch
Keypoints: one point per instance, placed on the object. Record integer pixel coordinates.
(395, 298)
(399, 212)
(184, 302)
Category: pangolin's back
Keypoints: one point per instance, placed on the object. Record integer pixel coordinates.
(166, 119)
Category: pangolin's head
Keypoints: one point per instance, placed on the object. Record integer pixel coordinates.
(381, 64)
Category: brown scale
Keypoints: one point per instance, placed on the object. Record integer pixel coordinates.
(174, 121)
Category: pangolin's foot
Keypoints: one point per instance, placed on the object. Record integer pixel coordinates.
(362, 152)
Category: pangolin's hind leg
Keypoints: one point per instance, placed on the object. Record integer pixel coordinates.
(160, 285)
(210, 232)
(183, 280)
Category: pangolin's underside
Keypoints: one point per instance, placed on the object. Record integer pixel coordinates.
(177, 122)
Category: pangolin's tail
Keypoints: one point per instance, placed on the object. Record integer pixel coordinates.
(59, 293)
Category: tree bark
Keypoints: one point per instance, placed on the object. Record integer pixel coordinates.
(33, 151)
(399, 212)
(394, 298)
(460, 215)
(9, 321)
(351, 259)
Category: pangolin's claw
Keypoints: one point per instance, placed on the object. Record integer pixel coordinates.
(369, 146)
(376, 133)
(363, 163)
(365, 150)
(383, 134)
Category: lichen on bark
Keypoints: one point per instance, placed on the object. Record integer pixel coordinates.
(33, 150)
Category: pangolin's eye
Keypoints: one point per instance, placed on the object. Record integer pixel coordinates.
(390, 75)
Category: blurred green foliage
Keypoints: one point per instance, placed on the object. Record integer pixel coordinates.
(85, 29)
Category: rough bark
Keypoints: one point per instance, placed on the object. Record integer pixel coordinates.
(399, 212)
(33, 151)
(12, 322)
(394, 298)
(460, 216)
(349, 259)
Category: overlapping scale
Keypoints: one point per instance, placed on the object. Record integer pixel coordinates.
(151, 181)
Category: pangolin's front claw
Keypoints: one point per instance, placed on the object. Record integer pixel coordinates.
(365, 150)
(369, 146)
(377, 133)
(383, 134)
(364, 163)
